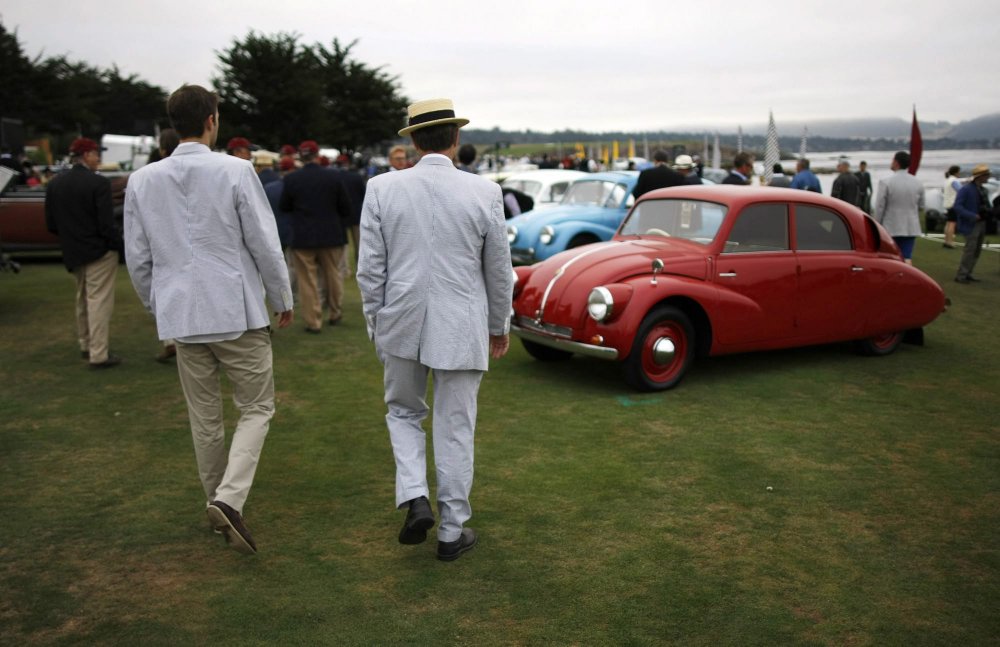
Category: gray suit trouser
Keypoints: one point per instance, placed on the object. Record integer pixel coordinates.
(247, 361)
(973, 247)
(454, 427)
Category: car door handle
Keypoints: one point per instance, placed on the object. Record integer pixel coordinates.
(727, 274)
(856, 268)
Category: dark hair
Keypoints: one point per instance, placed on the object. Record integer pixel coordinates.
(660, 156)
(169, 139)
(467, 154)
(777, 169)
(954, 169)
(803, 162)
(742, 159)
(188, 108)
(434, 139)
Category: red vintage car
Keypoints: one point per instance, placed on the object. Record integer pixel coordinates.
(712, 270)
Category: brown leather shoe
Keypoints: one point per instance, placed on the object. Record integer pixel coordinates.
(230, 523)
(166, 354)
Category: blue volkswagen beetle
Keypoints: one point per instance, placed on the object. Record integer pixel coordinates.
(590, 212)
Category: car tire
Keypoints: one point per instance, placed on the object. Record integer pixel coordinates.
(880, 345)
(645, 371)
(545, 353)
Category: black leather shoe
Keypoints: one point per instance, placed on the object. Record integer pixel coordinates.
(314, 331)
(958, 280)
(419, 519)
(230, 523)
(112, 360)
(972, 279)
(451, 550)
(334, 322)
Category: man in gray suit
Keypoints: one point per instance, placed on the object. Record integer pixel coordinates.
(202, 249)
(436, 281)
(898, 203)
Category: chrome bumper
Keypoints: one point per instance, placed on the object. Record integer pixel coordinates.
(564, 344)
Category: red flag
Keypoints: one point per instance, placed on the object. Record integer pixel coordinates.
(916, 145)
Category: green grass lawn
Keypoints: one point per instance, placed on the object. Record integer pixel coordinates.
(606, 517)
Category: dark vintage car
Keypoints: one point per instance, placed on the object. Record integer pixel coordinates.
(22, 216)
(713, 270)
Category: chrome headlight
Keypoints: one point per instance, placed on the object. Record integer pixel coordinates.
(600, 304)
(511, 233)
(548, 233)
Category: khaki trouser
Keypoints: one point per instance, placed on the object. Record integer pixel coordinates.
(328, 260)
(247, 362)
(95, 301)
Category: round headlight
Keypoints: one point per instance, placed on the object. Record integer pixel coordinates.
(548, 233)
(599, 304)
(511, 233)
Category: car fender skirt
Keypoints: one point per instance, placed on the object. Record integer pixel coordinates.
(576, 347)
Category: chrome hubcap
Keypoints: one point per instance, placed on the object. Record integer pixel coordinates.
(663, 351)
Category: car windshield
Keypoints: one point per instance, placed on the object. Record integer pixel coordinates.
(599, 192)
(531, 187)
(695, 220)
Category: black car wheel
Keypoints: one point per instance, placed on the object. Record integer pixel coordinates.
(662, 350)
(880, 345)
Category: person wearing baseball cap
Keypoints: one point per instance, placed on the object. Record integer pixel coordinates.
(435, 280)
(321, 209)
(239, 147)
(79, 211)
(972, 206)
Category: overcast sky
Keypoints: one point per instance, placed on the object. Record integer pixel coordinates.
(597, 66)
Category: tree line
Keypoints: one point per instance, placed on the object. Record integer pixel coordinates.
(272, 89)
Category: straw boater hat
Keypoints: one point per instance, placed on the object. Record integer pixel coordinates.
(432, 112)
(980, 169)
(683, 161)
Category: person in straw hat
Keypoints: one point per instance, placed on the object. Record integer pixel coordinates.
(973, 210)
(435, 280)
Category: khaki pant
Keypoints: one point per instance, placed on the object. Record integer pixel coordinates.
(247, 362)
(95, 301)
(306, 263)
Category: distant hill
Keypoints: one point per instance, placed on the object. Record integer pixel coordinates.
(985, 127)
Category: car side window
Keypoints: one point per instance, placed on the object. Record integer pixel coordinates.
(615, 197)
(820, 229)
(558, 190)
(759, 228)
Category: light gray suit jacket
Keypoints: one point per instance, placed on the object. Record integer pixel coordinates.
(898, 204)
(202, 246)
(434, 267)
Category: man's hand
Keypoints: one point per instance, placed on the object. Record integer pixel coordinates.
(285, 318)
(499, 345)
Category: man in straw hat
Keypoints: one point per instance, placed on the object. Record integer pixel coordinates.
(436, 281)
(973, 210)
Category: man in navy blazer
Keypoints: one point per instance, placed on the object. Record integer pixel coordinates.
(658, 177)
(321, 213)
(436, 282)
(78, 209)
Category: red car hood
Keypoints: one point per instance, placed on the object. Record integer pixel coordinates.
(564, 281)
